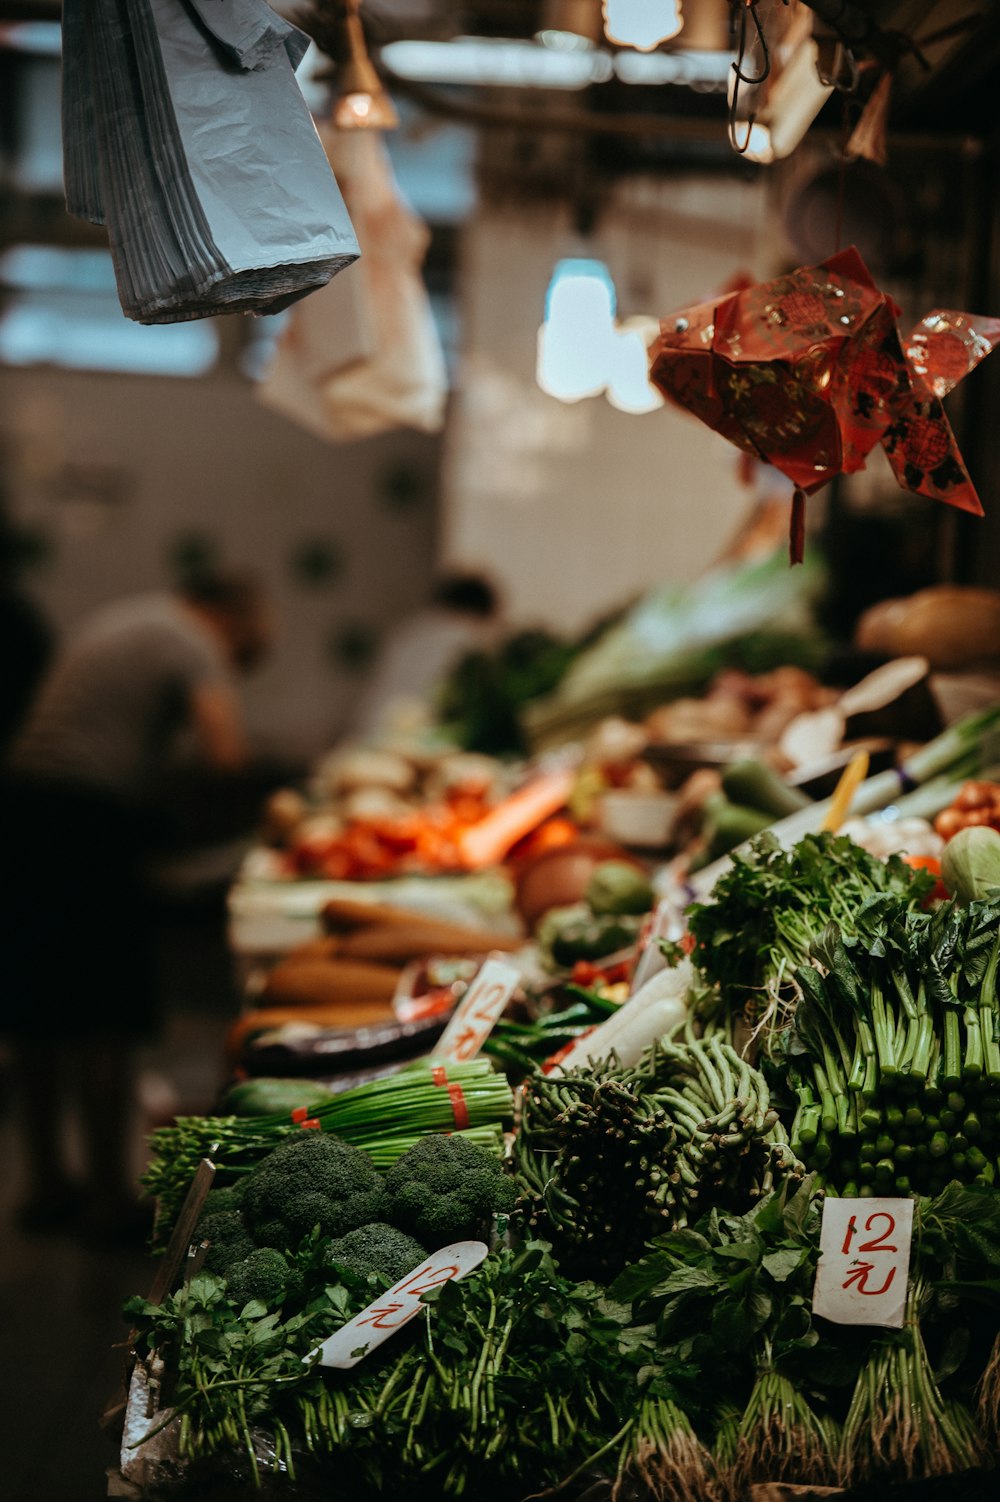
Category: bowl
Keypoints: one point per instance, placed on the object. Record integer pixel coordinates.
(643, 820)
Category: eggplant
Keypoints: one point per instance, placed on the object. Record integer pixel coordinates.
(335, 1051)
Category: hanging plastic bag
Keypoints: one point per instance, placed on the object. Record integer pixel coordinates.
(364, 351)
(186, 133)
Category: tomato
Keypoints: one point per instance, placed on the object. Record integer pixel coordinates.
(585, 973)
(929, 863)
(976, 795)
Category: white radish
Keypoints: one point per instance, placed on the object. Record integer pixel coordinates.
(655, 1009)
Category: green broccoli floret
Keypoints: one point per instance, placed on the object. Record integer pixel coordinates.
(311, 1180)
(377, 1248)
(263, 1274)
(228, 1198)
(228, 1238)
(445, 1189)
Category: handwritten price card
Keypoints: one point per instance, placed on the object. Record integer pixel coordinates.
(864, 1261)
(392, 1310)
(478, 1012)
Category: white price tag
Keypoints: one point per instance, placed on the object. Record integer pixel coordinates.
(864, 1260)
(478, 1012)
(392, 1310)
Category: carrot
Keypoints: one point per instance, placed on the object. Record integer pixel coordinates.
(342, 915)
(486, 843)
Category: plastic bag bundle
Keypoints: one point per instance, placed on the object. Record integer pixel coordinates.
(184, 131)
(364, 356)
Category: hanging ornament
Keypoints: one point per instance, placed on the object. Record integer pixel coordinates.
(808, 372)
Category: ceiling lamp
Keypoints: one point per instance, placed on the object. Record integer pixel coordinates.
(363, 103)
(642, 24)
(583, 352)
(575, 341)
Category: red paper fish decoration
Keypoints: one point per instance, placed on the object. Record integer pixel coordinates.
(808, 373)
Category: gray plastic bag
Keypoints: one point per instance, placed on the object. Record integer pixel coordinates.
(186, 134)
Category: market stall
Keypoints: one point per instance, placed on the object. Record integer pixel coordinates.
(610, 1106)
(744, 1231)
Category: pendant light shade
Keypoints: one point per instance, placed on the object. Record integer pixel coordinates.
(363, 103)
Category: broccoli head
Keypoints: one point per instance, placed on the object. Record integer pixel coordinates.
(228, 1238)
(263, 1274)
(311, 1180)
(446, 1189)
(230, 1197)
(377, 1248)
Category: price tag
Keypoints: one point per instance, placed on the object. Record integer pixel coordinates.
(864, 1261)
(392, 1310)
(478, 1012)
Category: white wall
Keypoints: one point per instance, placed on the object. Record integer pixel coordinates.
(579, 507)
(204, 456)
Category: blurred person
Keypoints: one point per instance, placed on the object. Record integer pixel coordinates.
(24, 630)
(80, 786)
(461, 617)
(27, 644)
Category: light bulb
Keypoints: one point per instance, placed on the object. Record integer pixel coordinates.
(363, 111)
(575, 341)
(629, 387)
(642, 24)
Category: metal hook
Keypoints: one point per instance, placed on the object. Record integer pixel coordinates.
(751, 6)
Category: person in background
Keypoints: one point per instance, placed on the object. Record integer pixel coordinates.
(462, 617)
(25, 634)
(79, 786)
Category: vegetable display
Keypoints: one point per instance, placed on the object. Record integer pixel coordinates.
(643, 1327)
(385, 1118)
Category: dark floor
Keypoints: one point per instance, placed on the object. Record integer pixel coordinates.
(60, 1299)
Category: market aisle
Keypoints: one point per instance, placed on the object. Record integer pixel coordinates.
(60, 1299)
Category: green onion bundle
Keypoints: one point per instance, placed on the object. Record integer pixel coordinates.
(385, 1117)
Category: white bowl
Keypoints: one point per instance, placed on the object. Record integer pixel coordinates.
(641, 819)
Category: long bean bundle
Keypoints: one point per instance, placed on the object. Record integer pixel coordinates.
(613, 1157)
(385, 1116)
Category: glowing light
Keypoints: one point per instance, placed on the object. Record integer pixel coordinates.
(363, 103)
(642, 24)
(581, 350)
(575, 341)
(629, 388)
